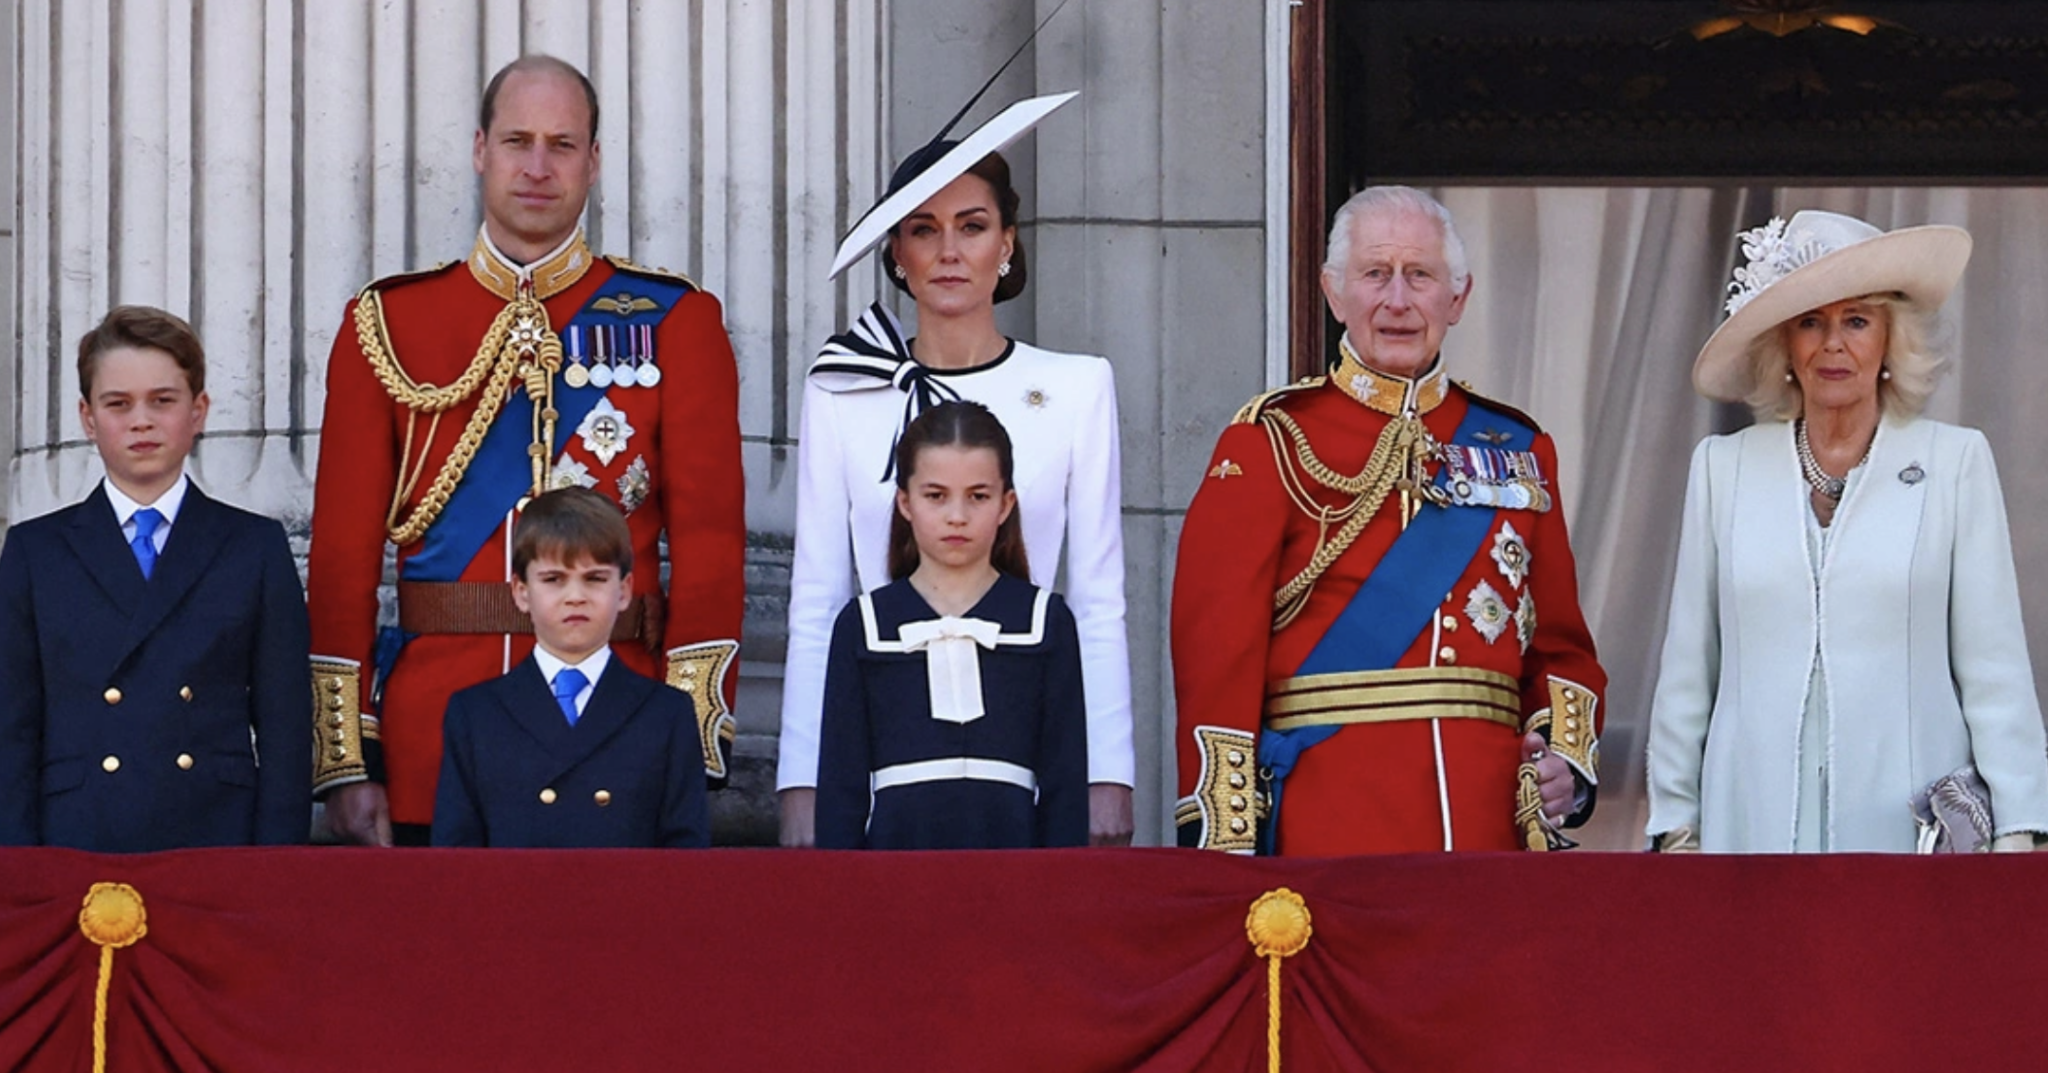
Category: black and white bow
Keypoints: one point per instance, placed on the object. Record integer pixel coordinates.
(873, 355)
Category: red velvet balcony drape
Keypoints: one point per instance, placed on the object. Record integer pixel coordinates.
(336, 959)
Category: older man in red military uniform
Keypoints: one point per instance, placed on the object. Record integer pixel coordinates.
(1377, 641)
(456, 393)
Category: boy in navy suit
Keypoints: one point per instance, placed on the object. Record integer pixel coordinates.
(573, 747)
(153, 676)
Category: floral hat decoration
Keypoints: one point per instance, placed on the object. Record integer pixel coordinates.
(1815, 259)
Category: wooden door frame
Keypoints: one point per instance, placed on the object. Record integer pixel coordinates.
(1308, 208)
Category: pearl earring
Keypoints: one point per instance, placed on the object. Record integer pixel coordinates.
(1884, 374)
(1788, 375)
(899, 273)
(1003, 269)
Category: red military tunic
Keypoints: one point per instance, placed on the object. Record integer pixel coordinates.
(669, 454)
(1506, 642)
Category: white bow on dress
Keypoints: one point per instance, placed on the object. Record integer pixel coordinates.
(952, 665)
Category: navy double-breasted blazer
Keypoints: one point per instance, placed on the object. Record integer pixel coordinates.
(144, 714)
(515, 773)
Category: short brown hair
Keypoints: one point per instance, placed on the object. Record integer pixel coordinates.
(995, 171)
(957, 424)
(536, 62)
(142, 328)
(571, 525)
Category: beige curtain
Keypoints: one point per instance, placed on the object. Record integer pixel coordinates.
(1587, 309)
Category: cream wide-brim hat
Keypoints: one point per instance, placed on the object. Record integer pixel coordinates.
(1816, 259)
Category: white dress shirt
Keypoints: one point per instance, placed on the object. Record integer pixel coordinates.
(167, 505)
(592, 667)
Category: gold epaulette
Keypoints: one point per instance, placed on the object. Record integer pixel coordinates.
(1250, 411)
(625, 265)
(1496, 404)
(388, 282)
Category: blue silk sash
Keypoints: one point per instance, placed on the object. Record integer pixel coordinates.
(502, 471)
(1395, 602)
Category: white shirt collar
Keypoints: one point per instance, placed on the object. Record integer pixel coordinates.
(166, 504)
(592, 667)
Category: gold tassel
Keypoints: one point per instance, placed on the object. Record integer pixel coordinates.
(1278, 927)
(112, 917)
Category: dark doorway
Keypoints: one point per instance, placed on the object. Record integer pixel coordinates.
(1764, 92)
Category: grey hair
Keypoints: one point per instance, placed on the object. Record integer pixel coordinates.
(1916, 339)
(1395, 199)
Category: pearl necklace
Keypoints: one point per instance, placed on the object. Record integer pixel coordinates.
(1809, 466)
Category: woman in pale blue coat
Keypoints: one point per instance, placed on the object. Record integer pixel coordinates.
(1845, 621)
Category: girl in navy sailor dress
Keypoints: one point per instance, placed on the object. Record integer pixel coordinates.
(953, 715)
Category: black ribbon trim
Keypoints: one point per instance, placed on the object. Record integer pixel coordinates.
(877, 337)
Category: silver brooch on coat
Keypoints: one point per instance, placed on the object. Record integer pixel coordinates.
(1912, 474)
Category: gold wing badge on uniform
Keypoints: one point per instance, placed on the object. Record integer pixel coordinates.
(626, 304)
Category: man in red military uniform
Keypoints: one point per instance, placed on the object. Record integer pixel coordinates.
(1377, 641)
(455, 394)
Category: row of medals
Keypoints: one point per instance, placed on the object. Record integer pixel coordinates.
(603, 373)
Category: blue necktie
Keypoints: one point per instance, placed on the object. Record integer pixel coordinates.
(144, 544)
(568, 683)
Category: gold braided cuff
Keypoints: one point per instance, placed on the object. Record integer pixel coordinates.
(699, 670)
(1225, 807)
(1573, 731)
(339, 725)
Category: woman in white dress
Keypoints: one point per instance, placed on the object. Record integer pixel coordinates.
(1845, 622)
(951, 244)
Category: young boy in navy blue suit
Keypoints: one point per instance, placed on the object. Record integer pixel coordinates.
(572, 748)
(153, 676)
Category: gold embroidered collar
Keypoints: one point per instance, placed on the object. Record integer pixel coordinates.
(1384, 392)
(551, 275)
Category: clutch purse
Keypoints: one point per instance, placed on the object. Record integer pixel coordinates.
(1954, 814)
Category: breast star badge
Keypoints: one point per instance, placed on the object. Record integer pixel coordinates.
(1511, 555)
(634, 484)
(570, 473)
(1486, 611)
(605, 431)
(1525, 621)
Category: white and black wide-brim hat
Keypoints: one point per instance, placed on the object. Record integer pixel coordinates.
(936, 164)
(1816, 259)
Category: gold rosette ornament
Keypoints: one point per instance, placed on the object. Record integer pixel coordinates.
(1279, 927)
(112, 917)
